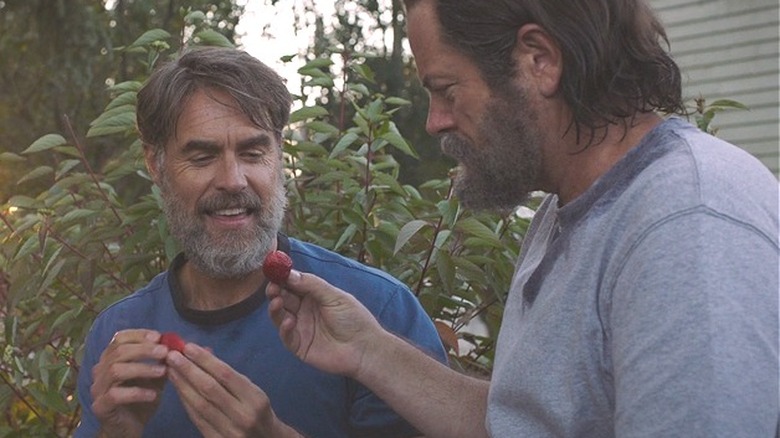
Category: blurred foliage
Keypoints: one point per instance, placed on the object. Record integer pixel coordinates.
(85, 233)
(373, 31)
(59, 55)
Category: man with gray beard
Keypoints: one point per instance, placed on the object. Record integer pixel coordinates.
(211, 123)
(644, 301)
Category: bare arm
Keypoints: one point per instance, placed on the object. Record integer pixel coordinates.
(329, 329)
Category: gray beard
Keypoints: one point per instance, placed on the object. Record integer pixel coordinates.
(501, 173)
(234, 254)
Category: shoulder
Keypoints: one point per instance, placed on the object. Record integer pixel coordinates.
(392, 302)
(367, 283)
(696, 173)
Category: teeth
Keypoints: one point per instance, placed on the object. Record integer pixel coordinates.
(230, 212)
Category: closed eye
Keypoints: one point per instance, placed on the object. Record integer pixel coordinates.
(201, 159)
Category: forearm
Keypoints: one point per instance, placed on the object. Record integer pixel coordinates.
(437, 400)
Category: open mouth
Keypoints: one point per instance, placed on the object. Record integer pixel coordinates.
(231, 212)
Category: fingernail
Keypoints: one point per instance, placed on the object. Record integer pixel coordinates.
(294, 276)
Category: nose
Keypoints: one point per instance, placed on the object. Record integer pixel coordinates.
(230, 176)
(440, 119)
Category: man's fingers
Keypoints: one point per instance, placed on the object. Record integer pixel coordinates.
(122, 395)
(134, 336)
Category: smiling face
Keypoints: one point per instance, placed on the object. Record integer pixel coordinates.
(495, 138)
(222, 183)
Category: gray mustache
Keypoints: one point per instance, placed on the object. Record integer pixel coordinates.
(223, 201)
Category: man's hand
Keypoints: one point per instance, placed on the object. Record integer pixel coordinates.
(127, 382)
(220, 401)
(329, 329)
(323, 325)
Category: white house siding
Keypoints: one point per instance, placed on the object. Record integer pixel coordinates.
(728, 49)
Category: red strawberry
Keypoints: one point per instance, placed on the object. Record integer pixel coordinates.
(173, 341)
(277, 266)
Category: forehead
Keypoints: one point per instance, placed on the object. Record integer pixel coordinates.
(434, 58)
(212, 116)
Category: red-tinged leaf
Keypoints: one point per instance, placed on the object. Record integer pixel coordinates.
(448, 336)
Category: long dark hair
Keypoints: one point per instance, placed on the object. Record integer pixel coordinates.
(615, 64)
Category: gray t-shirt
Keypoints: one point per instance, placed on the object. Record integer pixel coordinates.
(648, 306)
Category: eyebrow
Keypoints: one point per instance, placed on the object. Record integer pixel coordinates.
(257, 140)
(198, 145)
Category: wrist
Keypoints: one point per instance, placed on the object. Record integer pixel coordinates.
(377, 354)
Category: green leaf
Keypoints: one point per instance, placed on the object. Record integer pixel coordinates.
(407, 231)
(51, 275)
(67, 316)
(345, 236)
(318, 126)
(10, 157)
(359, 88)
(728, 103)
(397, 101)
(126, 86)
(476, 228)
(22, 201)
(50, 399)
(27, 248)
(308, 112)
(65, 167)
(113, 112)
(128, 98)
(469, 270)
(121, 122)
(449, 210)
(394, 138)
(325, 81)
(45, 143)
(79, 213)
(194, 17)
(149, 37)
(211, 37)
(364, 71)
(343, 143)
(317, 63)
(37, 173)
(441, 238)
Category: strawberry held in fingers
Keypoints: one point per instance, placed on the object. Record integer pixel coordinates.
(277, 266)
(173, 341)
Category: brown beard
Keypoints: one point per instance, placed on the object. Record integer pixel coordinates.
(504, 169)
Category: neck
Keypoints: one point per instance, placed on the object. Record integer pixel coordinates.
(573, 168)
(202, 292)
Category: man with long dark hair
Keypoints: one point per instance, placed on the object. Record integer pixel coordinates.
(645, 297)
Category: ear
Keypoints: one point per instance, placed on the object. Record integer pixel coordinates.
(151, 163)
(538, 58)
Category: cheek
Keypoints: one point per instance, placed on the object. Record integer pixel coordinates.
(266, 183)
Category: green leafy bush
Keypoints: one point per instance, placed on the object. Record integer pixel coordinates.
(95, 235)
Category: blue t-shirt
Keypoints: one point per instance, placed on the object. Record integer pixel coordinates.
(315, 403)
